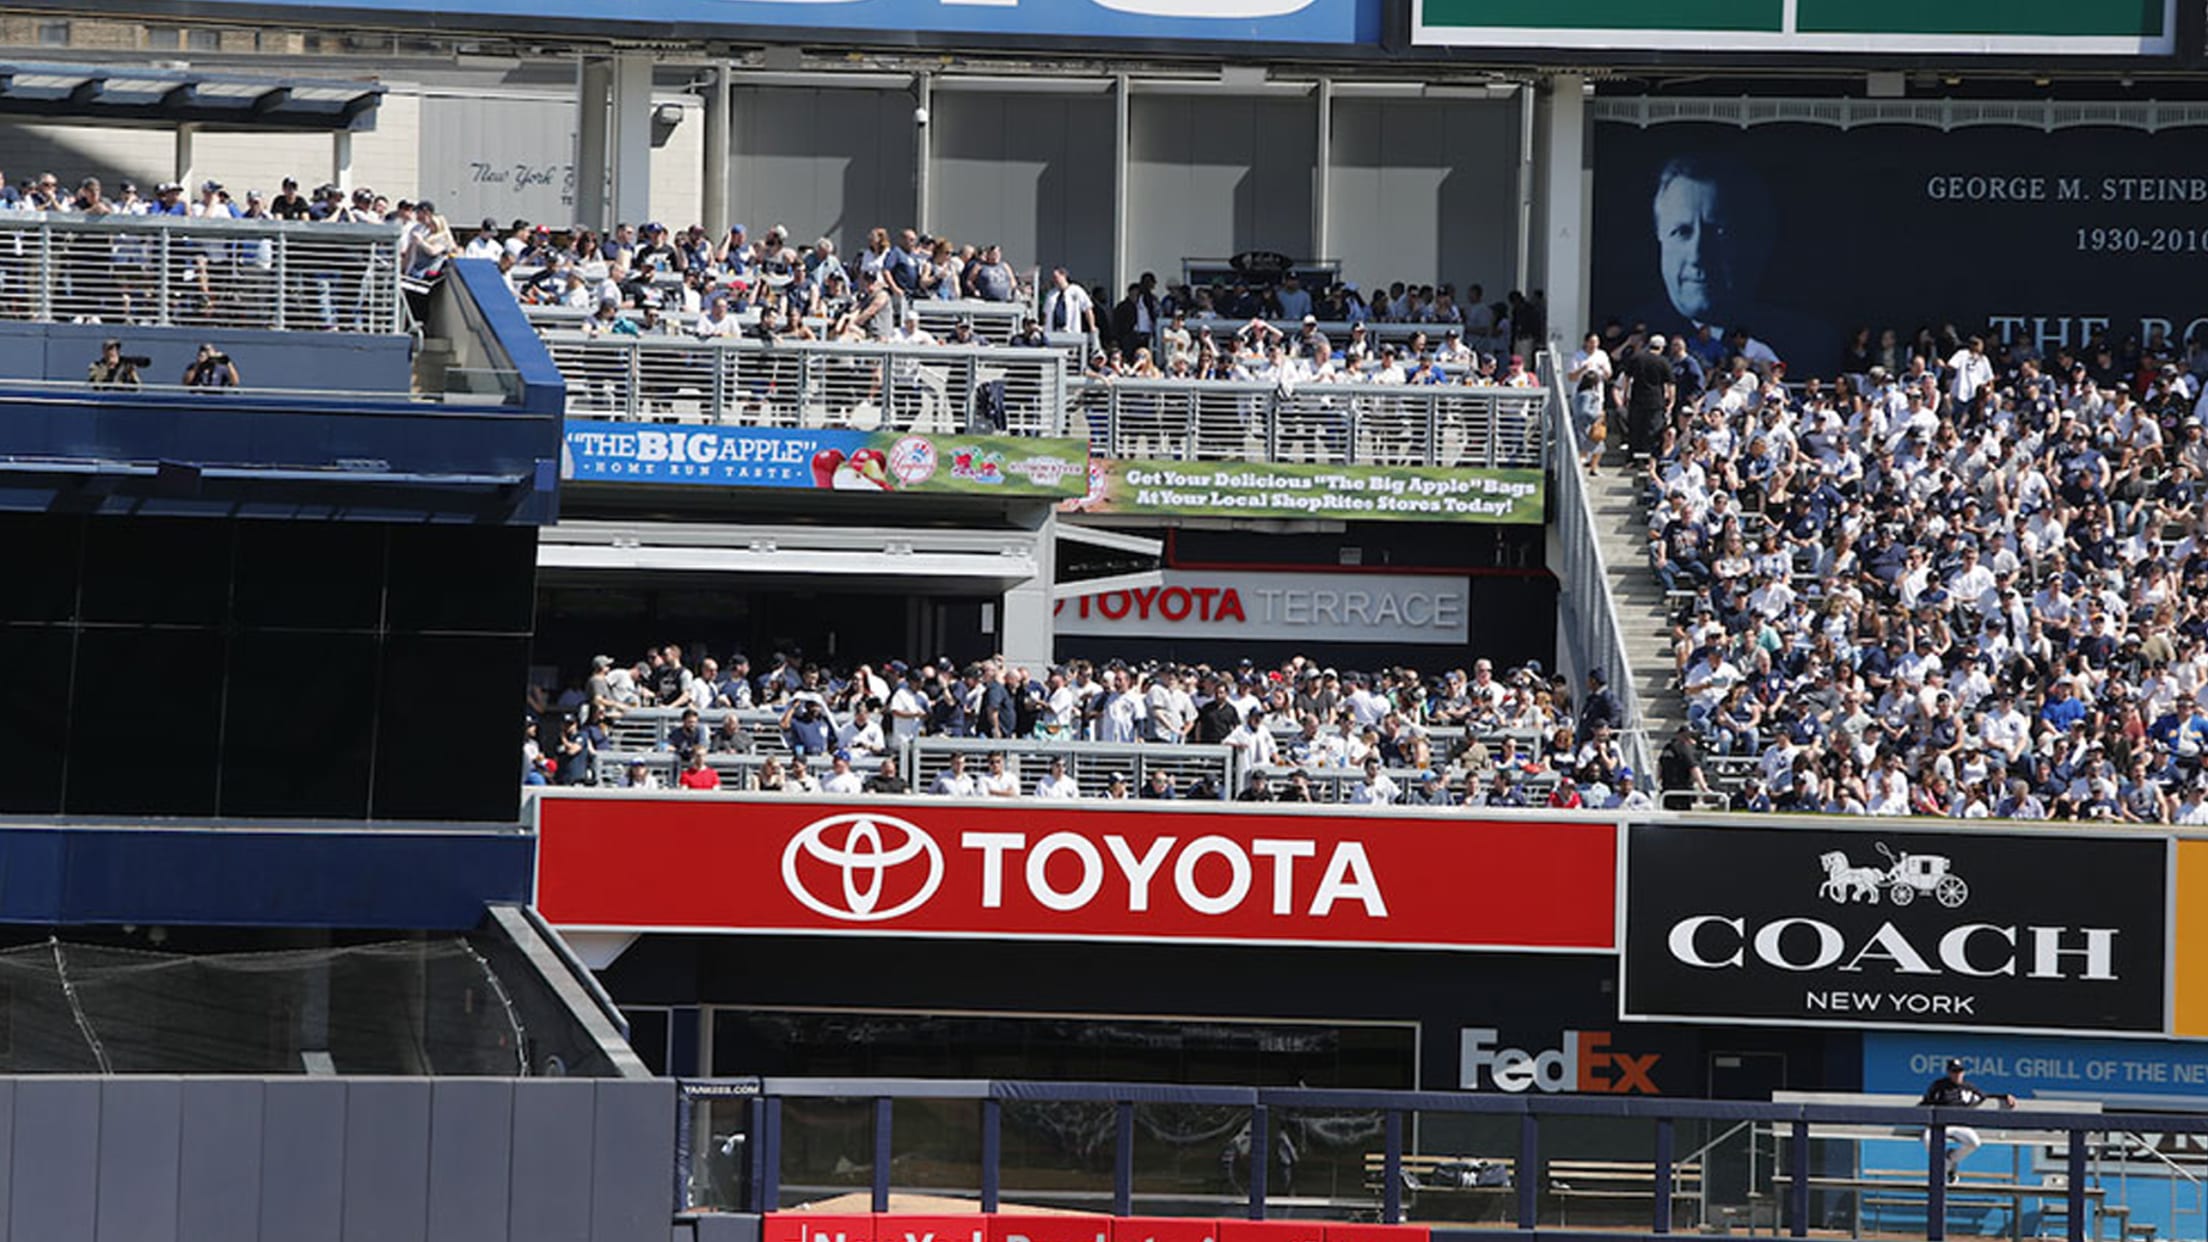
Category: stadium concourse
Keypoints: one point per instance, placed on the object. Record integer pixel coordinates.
(1953, 580)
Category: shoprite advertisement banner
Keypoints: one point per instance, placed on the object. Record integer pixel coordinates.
(866, 462)
(1869, 928)
(1298, 490)
(1081, 871)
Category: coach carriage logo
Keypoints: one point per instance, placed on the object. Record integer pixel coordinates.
(865, 861)
(1905, 878)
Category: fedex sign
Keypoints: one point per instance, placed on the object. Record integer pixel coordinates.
(1584, 1063)
(1078, 871)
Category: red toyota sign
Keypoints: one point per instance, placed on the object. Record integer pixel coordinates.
(1032, 870)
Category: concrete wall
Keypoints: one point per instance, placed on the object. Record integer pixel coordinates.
(1211, 177)
(335, 1160)
(1425, 190)
(833, 162)
(335, 361)
(1031, 172)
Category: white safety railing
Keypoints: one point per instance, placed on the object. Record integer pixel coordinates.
(1091, 764)
(58, 267)
(1586, 609)
(931, 388)
(994, 323)
(1386, 424)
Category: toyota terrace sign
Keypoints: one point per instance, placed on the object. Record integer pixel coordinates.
(1987, 930)
(1089, 871)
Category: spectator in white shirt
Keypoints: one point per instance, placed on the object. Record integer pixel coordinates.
(1057, 784)
(1253, 741)
(862, 734)
(1377, 788)
(842, 780)
(997, 782)
(954, 781)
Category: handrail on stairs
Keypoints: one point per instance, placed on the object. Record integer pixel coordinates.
(1594, 638)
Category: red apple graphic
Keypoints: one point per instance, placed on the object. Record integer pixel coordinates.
(824, 467)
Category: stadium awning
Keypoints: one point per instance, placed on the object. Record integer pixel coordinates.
(124, 95)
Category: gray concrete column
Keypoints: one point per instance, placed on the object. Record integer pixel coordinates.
(181, 158)
(718, 106)
(923, 153)
(1024, 633)
(593, 92)
(1564, 205)
(1322, 190)
(1120, 190)
(341, 160)
(630, 193)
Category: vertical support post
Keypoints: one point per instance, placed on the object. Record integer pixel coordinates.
(42, 309)
(163, 284)
(1123, 1159)
(1391, 1172)
(2074, 1165)
(885, 1110)
(593, 94)
(1322, 216)
(719, 108)
(280, 246)
(1522, 273)
(1261, 1150)
(1662, 1223)
(341, 161)
(770, 1158)
(1122, 194)
(1565, 274)
(992, 1149)
(757, 1156)
(629, 196)
(180, 157)
(1935, 1182)
(923, 152)
(1797, 1171)
(685, 1108)
(1528, 1172)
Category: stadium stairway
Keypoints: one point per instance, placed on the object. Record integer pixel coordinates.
(1621, 521)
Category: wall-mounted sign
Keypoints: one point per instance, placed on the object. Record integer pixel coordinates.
(1963, 27)
(1298, 490)
(865, 462)
(1870, 928)
(1273, 607)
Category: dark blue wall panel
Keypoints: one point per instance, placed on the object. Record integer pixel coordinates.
(141, 1136)
(57, 1145)
(386, 1159)
(552, 1139)
(303, 1161)
(246, 877)
(626, 1200)
(219, 1173)
(471, 1151)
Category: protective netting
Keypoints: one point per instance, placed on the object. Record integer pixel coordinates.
(413, 1007)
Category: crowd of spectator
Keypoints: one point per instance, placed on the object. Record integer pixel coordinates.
(1958, 579)
(1466, 737)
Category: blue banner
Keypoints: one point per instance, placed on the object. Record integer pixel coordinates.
(1268, 21)
(2031, 1067)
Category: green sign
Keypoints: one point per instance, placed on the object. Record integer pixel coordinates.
(1336, 493)
(1962, 27)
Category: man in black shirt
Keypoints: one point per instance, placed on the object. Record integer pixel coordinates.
(1956, 1091)
(1648, 396)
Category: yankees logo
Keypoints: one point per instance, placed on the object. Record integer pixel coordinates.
(875, 867)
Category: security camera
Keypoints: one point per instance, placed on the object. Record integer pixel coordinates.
(920, 116)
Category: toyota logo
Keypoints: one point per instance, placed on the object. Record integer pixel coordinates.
(870, 866)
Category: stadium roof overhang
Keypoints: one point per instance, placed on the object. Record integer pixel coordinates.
(822, 555)
(123, 95)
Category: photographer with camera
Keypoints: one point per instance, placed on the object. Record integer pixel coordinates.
(211, 369)
(114, 368)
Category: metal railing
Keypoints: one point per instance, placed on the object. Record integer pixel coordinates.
(755, 1144)
(1387, 424)
(941, 389)
(176, 271)
(994, 322)
(1587, 611)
